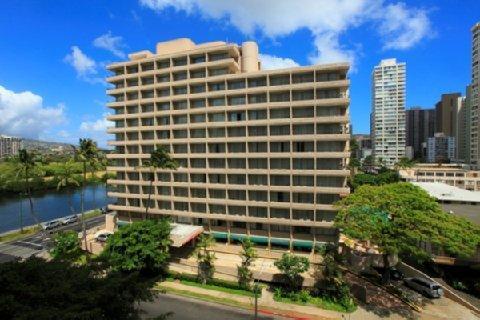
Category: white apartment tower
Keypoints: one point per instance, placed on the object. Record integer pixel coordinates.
(473, 95)
(262, 153)
(388, 112)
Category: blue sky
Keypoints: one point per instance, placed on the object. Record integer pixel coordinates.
(53, 53)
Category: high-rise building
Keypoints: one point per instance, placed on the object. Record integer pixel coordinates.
(461, 139)
(9, 146)
(364, 146)
(388, 111)
(446, 113)
(420, 125)
(440, 148)
(261, 152)
(474, 98)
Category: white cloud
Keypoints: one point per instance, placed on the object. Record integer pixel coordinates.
(327, 20)
(85, 66)
(23, 114)
(111, 43)
(99, 125)
(273, 62)
(402, 28)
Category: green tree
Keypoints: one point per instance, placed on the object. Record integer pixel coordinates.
(399, 217)
(330, 283)
(159, 159)
(404, 163)
(367, 163)
(140, 246)
(248, 255)
(26, 168)
(41, 290)
(205, 258)
(87, 154)
(292, 266)
(67, 178)
(66, 246)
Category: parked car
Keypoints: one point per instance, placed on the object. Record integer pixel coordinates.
(103, 237)
(424, 286)
(105, 210)
(50, 225)
(69, 219)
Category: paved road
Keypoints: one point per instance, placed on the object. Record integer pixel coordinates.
(31, 245)
(184, 308)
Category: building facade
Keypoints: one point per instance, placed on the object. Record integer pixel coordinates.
(388, 112)
(420, 125)
(440, 148)
(474, 99)
(9, 146)
(260, 153)
(364, 142)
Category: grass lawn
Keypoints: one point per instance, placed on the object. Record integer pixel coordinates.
(317, 302)
(203, 297)
(214, 287)
(92, 213)
(18, 234)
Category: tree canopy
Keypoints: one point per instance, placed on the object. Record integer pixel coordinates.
(383, 177)
(37, 289)
(399, 216)
(142, 246)
(291, 267)
(66, 246)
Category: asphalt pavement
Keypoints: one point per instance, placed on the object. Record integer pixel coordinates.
(184, 308)
(34, 244)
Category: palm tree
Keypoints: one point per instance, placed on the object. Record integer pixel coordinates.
(66, 178)
(205, 258)
(159, 159)
(87, 153)
(404, 163)
(26, 166)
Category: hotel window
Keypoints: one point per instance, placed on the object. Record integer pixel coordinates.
(163, 106)
(147, 94)
(259, 212)
(216, 117)
(279, 213)
(257, 146)
(260, 163)
(258, 196)
(329, 128)
(302, 77)
(147, 122)
(197, 118)
(236, 100)
(217, 86)
(163, 78)
(180, 119)
(302, 197)
(257, 82)
(182, 61)
(163, 92)
(198, 88)
(198, 163)
(217, 56)
(236, 179)
(180, 177)
(258, 179)
(302, 95)
(238, 211)
(303, 181)
(303, 164)
(330, 146)
(257, 98)
(237, 194)
(304, 112)
(302, 129)
(197, 133)
(199, 207)
(303, 214)
(217, 178)
(329, 164)
(217, 208)
(180, 192)
(200, 103)
(279, 146)
(233, 85)
(236, 132)
(197, 59)
(198, 178)
(164, 191)
(280, 113)
(148, 107)
(216, 132)
(280, 130)
(180, 148)
(236, 163)
(216, 147)
(217, 194)
(279, 80)
(279, 180)
(148, 135)
(164, 177)
(327, 198)
(257, 114)
(237, 147)
(280, 96)
(280, 163)
(236, 116)
(198, 148)
(337, 182)
(278, 196)
(162, 64)
(217, 71)
(180, 206)
(180, 134)
(198, 193)
(179, 90)
(216, 163)
(216, 102)
(194, 74)
(303, 146)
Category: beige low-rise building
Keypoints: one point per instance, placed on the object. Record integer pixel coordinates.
(451, 174)
(262, 153)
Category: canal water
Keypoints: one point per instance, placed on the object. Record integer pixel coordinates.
(49, 205)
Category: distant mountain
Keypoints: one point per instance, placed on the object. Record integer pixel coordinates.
(31, 144)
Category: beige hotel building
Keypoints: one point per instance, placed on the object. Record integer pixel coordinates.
(262, 153)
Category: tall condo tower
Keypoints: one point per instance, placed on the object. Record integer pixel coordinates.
(262, 153)
(473, 96)
(388, 112)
